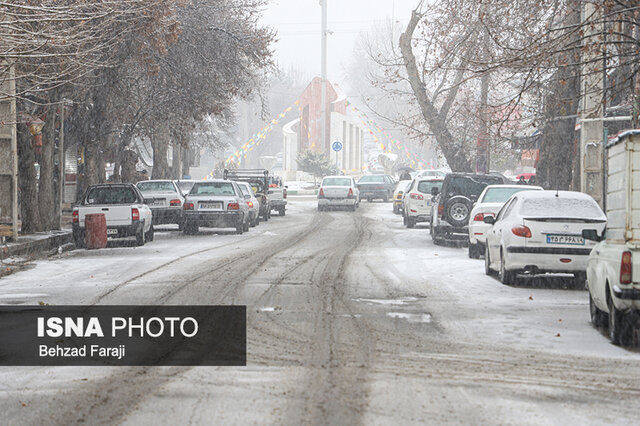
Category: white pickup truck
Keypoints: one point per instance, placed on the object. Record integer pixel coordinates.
(124, 208)
(277, 195)
(613, 270)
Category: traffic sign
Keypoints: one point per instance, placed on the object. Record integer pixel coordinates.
(336, 146)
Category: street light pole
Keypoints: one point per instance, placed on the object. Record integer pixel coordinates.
(323, 3)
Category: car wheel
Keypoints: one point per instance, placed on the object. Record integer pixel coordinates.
(598, 317)
(257, 219)
(474, 251)
(506, 277)
(457, 210)
(281, 212)
(265, 217)
(411, 222)
(245, 227)
(239, 227)
(140, 236)
(487, 262)
(150, 233)
(619, 327)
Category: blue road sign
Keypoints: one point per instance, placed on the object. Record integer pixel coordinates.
(336, 146)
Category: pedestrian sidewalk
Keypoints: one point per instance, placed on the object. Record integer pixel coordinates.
(36, 245)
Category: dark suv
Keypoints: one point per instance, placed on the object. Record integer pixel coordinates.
(451, 208)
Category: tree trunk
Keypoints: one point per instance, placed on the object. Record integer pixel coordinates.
(49, 214)
(436, 120)
(558, 149)
(129, 161)
(160, 146)
(176, 168)
(28, 183)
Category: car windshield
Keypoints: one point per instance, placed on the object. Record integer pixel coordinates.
(185, 186)
(111, 195)
(151, 186)
(501, 195)
(561, 207)
(471, 186)
(336, 182)
(213, 188)
(426, 186)
(372, 179)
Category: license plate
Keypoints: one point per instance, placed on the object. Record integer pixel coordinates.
(157, 203)
(112, 232)
(565, 239)
(215, 206)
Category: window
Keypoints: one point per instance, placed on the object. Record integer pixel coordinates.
(501, 195)
(425, 186)
(336, 182)
(213, 188)
(112, 195)
(151, 186)
(372, 179)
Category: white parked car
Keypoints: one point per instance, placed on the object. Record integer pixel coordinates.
(165, 200)
(417, 200)
(338, 191)
(252, 203)
(489, 203)
(431, 173)
(216, 204)
(541, 232)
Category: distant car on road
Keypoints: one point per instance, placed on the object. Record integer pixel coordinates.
(338, 191)
(541, 232)
(451, 208)
(489, 203)
(165, 200)
(216, 204)
(417, 200)
(398, 195)
(376, 187)
(124, 209)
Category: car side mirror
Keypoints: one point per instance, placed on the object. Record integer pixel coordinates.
(489, 220)
(435, 191)
(592, 235)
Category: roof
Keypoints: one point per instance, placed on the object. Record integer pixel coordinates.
(621, 136)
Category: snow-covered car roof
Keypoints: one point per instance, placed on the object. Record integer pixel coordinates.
(559, 204)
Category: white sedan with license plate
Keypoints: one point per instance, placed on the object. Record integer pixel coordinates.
(216, 204)
(541, 232)
(338, 191)
(489, 203)
(417, 200)
(165, 200)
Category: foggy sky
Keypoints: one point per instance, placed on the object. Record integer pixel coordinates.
(298, 25)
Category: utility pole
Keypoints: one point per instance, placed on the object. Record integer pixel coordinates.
(592, 114)
(61, 165)
(323, 142)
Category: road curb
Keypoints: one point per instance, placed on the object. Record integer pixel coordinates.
(35, 245)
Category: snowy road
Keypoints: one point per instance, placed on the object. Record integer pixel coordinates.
(352, 319)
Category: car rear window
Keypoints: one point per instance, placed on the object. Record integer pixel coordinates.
(336, 182)
(373, 179)
(213, 188)
(426, 186)
(111, 195)
(156, 187)
(561, 207)
(471, 186)
(501, 195)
